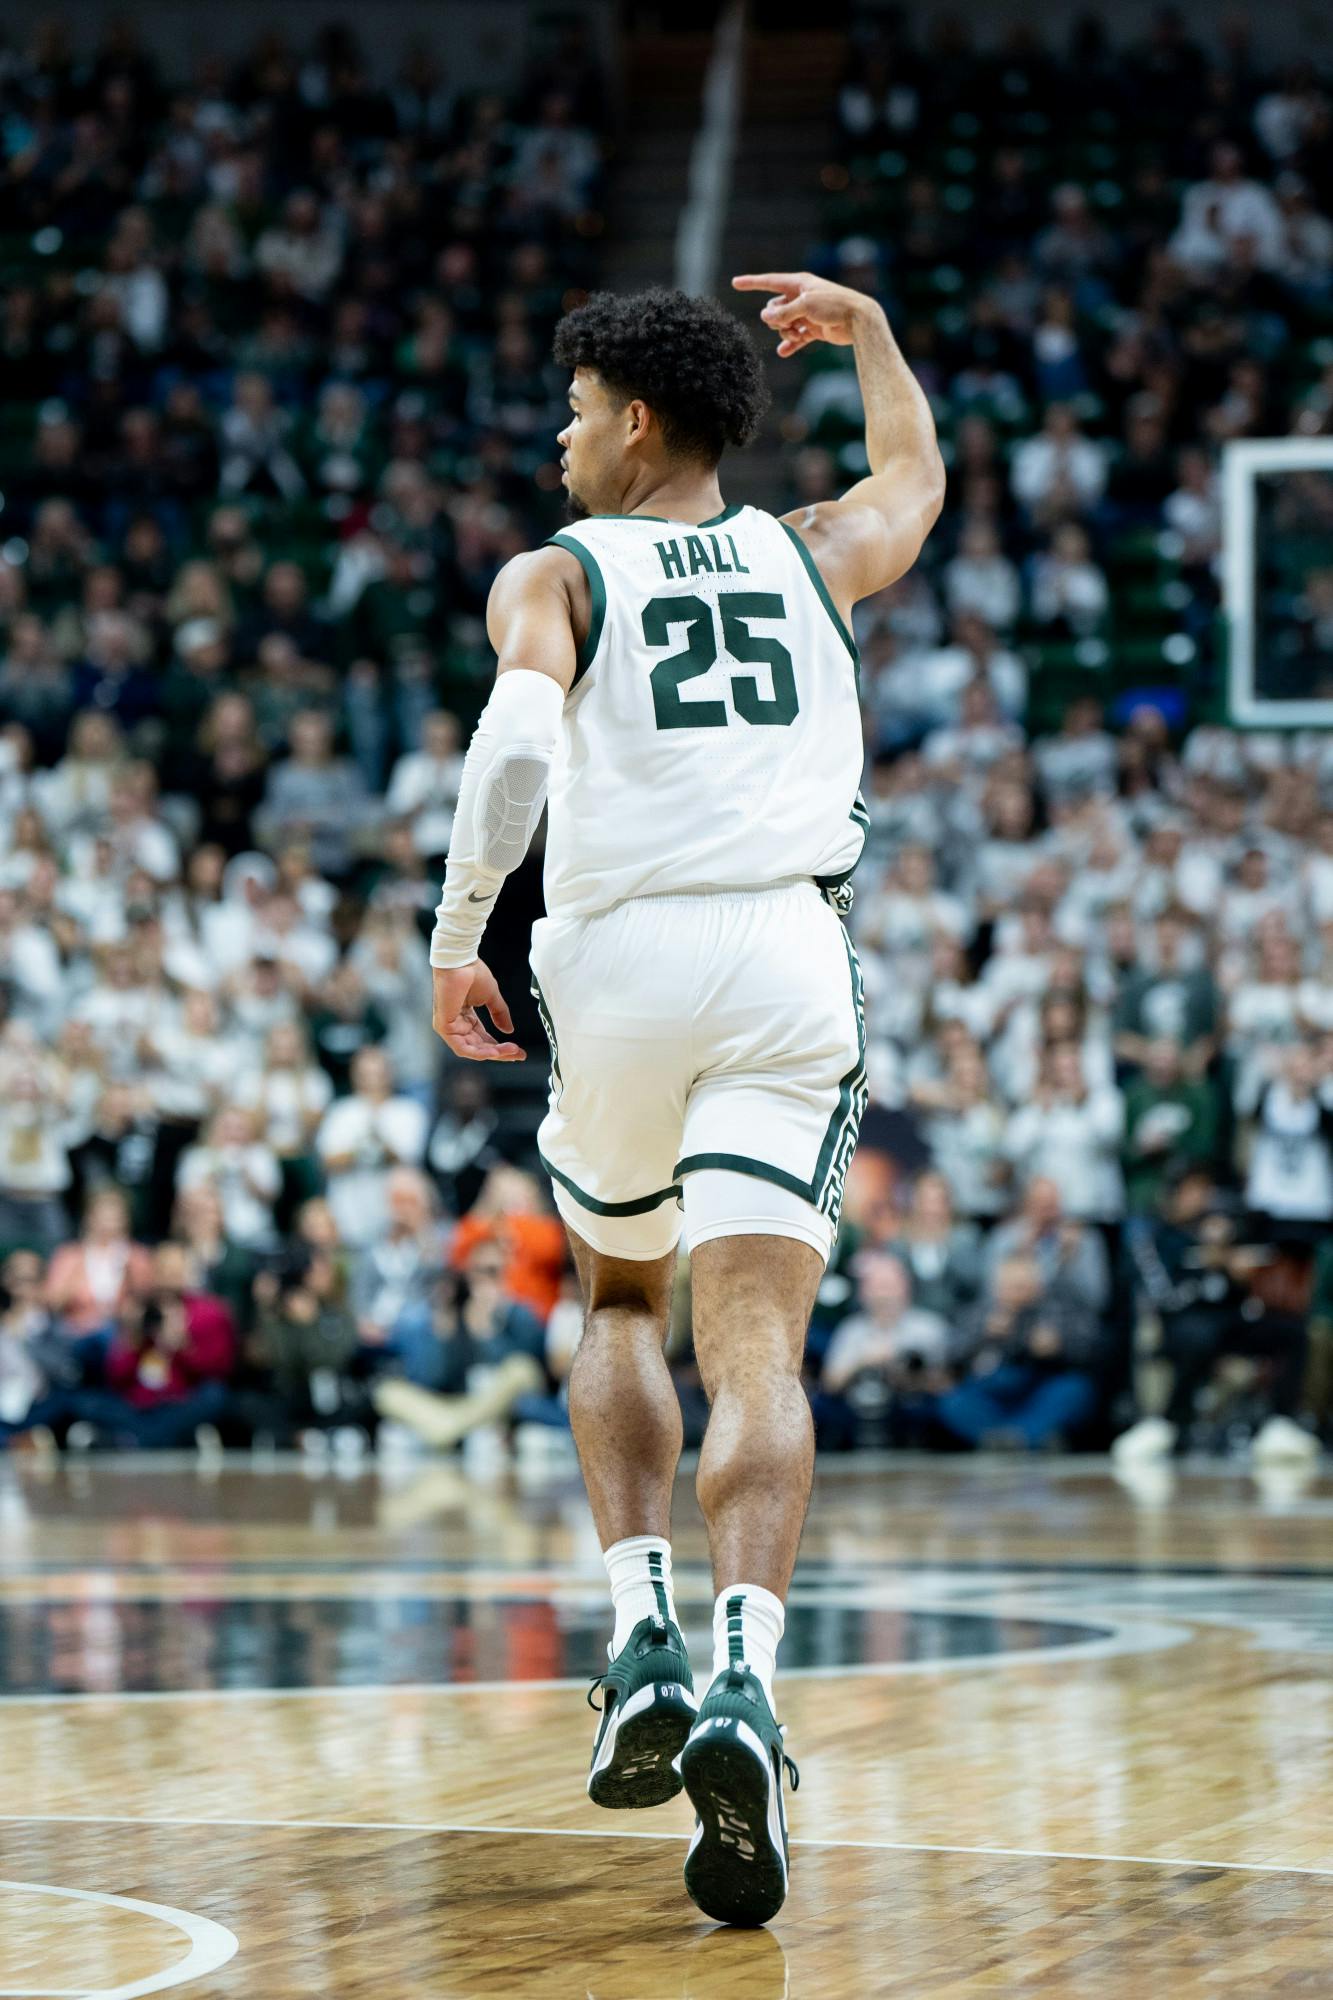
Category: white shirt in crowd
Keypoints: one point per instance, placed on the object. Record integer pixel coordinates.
(862, 1342)
(1215, 213)
(379, 1137)
(425, 789)
(1042, 462)
(987, 585)
(286, 1100)
(33, 1159)
(193, 1073)
(1291, 1163)
(968, 1149)
(1078, 1147)
(247, 1179)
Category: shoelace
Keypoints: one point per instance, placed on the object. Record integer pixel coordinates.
(737, 1675)
(793, 1775)
(656, 1635)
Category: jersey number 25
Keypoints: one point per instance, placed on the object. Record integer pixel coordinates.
(738, 642)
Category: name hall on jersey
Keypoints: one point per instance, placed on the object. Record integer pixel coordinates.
(674, 557)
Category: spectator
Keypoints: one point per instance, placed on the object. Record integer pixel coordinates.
(884, 1364)
(929, 686)
(232, 1158)
(288, 1096)
(1291, 1163)
(344, 1021)
(118, 1151)
(1034, 1358)
(395, 1273)
(1071, 1134)
(467, 1357)
(510, 1213)
(1171, 1001)
(316, 794)
(1060, 471)
(256, 454)
(940, 1255)
(168, 1361)
(1070, 1256)
(1225, 211)
(301, 249)
(981, 579)
(217, 1266)
(305, 1348)
(103, 1277)
(34, 1161)
(36, 1370)
(462, 1150)
(1195, 1274)
(1169, 1118)
(1081, 760)
(424, 785)
(965, 1132)
(363, 1137)
(1069, 592)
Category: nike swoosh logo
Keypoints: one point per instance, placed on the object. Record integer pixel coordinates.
(475, 898)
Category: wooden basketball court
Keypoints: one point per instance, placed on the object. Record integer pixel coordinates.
(271, 1735)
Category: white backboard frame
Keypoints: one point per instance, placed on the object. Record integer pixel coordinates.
(1242, 463)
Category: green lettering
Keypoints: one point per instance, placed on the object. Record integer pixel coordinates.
(698, 555)
(673, 563)
(723, 568)
(742, 569)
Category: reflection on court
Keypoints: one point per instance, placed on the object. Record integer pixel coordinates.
(344, 1722)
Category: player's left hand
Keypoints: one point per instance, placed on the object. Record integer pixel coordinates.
(805, 308)
(456, 997)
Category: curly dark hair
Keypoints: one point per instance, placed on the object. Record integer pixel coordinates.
(693, 364)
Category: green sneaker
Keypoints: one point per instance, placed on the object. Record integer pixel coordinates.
(648, 1707)
(736, 1867)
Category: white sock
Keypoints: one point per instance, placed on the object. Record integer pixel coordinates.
(640, 1573)
(747, 1625)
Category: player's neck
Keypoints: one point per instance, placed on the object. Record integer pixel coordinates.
(690, 497)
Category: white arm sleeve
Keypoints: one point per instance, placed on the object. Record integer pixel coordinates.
(500, 801)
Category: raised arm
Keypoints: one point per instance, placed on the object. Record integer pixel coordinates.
(874, 534)
(536, 610)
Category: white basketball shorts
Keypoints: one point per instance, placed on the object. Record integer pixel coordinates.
(708, 1067)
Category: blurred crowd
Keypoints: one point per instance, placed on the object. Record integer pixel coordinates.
(1105, 259)
(278, 407)
(1096, 924)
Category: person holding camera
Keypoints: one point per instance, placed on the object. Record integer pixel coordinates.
(1036, 1352)
(168, 1362)
(884, 1365)
(1194, 1271)
(303, 1353)
(467, 1358)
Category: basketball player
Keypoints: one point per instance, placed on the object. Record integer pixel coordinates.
(677, 681)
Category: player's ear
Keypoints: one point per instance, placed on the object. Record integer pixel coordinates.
(638, 421)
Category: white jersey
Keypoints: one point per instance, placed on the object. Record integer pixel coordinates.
(712, 738)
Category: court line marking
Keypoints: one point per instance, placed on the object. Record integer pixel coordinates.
(212, 1945)
(617, 1833)
(1121, 1639)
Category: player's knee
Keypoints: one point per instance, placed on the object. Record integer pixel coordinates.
(757, 1362)
(628, 1287)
